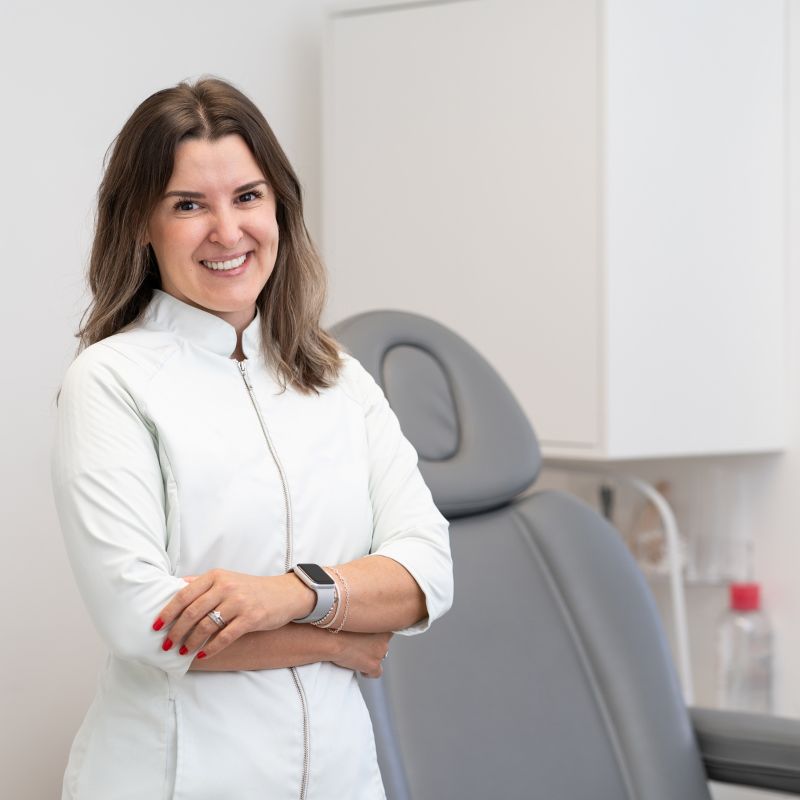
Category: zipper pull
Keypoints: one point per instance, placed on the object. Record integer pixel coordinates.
(243, 370)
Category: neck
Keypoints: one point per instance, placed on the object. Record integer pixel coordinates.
(238, 319)
(238, 353)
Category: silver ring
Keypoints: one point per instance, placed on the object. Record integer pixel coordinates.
(386, 655)
(216, 618)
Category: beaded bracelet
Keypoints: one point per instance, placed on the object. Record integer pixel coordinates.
(346, 599)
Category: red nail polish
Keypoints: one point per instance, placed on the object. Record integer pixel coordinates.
(201, 654)
(184, 650)
(167, 644)
(158, 624)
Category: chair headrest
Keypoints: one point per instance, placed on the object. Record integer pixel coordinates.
(476, 448)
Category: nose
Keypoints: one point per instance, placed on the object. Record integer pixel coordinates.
(225, 230)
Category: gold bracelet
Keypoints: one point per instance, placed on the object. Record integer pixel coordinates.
(346, 599)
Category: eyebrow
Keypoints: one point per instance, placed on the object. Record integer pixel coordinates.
(243, 188)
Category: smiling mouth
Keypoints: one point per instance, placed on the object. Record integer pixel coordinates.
(226, 266)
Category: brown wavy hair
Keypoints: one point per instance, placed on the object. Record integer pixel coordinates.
(123, 273)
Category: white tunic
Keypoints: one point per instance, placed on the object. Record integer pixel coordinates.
(162, 468)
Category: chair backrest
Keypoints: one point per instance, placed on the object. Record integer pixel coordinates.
(551, 676)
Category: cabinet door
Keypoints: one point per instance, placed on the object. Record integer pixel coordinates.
(694, 221)
(461, 181)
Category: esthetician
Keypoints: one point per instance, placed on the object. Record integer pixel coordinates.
(245, 520)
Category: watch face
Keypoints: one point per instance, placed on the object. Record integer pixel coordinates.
(317, 574)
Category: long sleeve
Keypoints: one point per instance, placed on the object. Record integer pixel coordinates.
(407, 526)
(109, 494)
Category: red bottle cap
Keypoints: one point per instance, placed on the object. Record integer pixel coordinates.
(745, 596)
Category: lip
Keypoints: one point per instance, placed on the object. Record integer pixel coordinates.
(227, 258)
(230, 273)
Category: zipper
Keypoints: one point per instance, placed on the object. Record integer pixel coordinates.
(306, 732)
(286, 565)
(287, 562)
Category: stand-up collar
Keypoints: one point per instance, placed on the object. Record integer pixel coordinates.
(200, 327)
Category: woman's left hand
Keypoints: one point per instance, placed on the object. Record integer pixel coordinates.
(245, 602)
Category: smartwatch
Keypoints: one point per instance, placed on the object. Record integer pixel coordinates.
(317, 579)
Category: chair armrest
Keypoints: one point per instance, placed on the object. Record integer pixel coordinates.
(749, 749)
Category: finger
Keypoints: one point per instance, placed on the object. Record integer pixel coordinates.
(374, 670)
(205, 629)
(195, 616)
(223, 638)
(183, 598)
(375, 673)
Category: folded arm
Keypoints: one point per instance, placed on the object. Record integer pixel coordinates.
(380, 596)
(295, 645)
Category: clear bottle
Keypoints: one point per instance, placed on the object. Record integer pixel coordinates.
(744, 653)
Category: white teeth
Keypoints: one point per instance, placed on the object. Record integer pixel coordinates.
(237, 262)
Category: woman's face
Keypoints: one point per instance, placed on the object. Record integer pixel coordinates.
(214, 231)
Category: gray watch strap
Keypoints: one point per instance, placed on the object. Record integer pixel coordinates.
(325, 597)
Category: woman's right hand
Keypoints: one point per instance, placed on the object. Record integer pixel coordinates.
(362, 652)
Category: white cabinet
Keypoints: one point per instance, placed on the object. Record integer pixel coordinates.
(590, 192)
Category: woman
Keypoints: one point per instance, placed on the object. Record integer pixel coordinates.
(211, 437)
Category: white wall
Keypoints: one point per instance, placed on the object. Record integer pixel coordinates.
(72, 73)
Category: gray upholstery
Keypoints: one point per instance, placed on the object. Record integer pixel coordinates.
(444, 393)
(750, 749)
(550, 677)
(389, 757)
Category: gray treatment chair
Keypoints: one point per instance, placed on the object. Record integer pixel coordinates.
(551, 676)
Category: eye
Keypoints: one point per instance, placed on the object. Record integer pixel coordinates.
(255, 194)
(184, 201)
